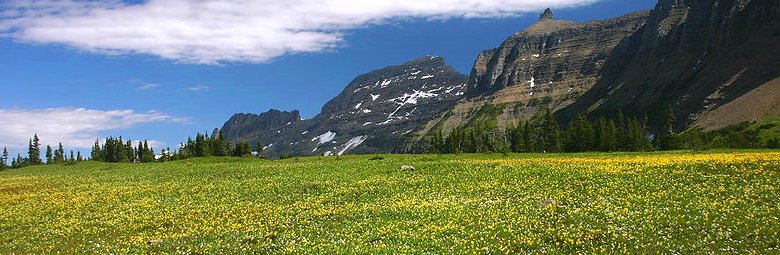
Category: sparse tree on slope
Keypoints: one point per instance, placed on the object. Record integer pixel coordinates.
(34, 151)
(4, 157)
(49, 155)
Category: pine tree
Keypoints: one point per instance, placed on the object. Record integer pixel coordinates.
(551, 133)
(666, 138)
(59, 154)
(72, 157)
(529, 137)
(623, 143)
(78, 157)
(34, 151)
(4, 157)
(131, 155)
(140, 152)
(242, 149)
(218, 145)
(96, 153)
(200, 146)
(49, 155)
(19, 162)
(610, 140)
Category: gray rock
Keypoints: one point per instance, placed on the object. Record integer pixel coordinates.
(374, 114)
(547, 14)
(407, 168)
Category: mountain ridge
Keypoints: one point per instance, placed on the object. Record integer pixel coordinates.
(372, 114)
(714, 62)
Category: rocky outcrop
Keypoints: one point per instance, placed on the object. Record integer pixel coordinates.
(373, 114)
(547, 14)
(701, 57)
(549, 64)
(262, 127)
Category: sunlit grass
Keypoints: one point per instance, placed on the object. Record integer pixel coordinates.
(679, 202)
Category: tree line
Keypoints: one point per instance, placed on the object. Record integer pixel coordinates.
(205, 145)
(53, 156)
(582, 134)
(118, 150)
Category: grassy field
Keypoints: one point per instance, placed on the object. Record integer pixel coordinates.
(670, 203)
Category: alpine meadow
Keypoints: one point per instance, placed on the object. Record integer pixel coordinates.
(338, 127)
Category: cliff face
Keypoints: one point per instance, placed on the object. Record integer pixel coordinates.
(373, 114)
(550, 64)
(716, 62)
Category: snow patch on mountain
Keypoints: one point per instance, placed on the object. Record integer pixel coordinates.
(352, 143)
(324, 138)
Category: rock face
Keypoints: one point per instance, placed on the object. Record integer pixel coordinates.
(549, 64)
(373, 114)
(716, 62)
(547, 14)
(262, 127)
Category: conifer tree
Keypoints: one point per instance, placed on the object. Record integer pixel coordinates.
(4, 157)
(131, 155)
(20, 162)
(551, 134)
(72, 158)
(200, 145)
(242, 149)
(78, 157)
(49, 155)
(15, 162)
(529, 137)
(59, 154)
(96, 153)
(666, 139)
(34, 151)
(610, 139)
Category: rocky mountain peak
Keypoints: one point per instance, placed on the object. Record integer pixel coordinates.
(546, 15)
(427, 60)
(374, 113)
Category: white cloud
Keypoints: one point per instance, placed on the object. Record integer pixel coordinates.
(148, 86)
(157, 145)
(74, 127)
(198, 88)
(215, 31)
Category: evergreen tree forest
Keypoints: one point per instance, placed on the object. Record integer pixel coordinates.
(119, 150)
(33, 157)
(629, 134)
(214, 145)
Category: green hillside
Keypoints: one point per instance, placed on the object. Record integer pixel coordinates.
(675, 202)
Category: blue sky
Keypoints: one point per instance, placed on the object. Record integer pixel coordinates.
(76, 89)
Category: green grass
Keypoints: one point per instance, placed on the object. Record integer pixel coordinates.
(626, 203)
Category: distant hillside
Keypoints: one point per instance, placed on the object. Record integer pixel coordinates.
(373, 113)
(550, 64)
(716, 63)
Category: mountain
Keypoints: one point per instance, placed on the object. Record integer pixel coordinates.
(550, 64)
(717, 63)
(372, 114)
